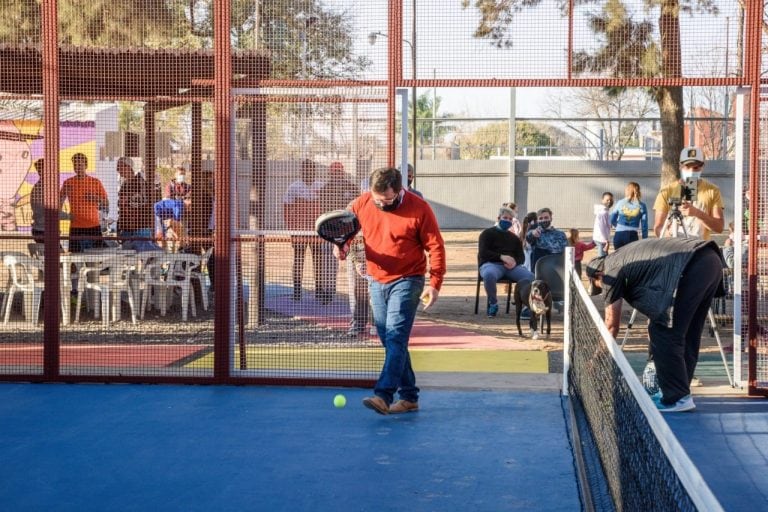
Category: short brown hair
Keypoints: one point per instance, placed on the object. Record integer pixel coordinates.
(384, 178)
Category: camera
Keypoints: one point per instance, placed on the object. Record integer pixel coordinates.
(688, 191)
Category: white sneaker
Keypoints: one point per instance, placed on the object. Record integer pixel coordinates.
(683, 405)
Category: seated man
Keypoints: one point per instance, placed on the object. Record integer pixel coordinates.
(500, 255)
(545, 239)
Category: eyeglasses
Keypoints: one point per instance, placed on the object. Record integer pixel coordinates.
(543, 218)
(695, 166)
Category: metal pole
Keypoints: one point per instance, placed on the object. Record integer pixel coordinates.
(413, 91)
(724, 128)
(434, 113)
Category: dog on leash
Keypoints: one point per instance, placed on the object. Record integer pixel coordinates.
(538, 298)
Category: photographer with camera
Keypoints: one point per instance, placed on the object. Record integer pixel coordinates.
(695, 203)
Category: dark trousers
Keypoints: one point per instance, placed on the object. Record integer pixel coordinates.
(622, 238)
(299, 245)
(95, 240)
(675, 350)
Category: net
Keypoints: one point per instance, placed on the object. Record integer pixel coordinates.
(643, 465)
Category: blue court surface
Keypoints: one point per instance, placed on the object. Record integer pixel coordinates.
(101, 447)
(727, 440)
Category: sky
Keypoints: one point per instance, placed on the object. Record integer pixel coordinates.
(446, 48)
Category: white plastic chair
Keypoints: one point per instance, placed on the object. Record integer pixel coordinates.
(197, 274)
(160, 278)
(24, 275)
(108, 287)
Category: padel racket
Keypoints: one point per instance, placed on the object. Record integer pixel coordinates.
(337, 227)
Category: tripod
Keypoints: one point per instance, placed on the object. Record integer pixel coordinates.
(674, 225)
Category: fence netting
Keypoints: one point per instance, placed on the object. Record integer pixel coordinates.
(114, 170)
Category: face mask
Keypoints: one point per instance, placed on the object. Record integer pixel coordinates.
(544, 224)
(390, 207)
(690, 174)
(180, 178)
(504, 225)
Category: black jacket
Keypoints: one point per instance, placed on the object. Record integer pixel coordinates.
(494, 242)
(646, 273)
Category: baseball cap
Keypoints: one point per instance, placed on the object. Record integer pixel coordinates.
(691, 154)
(595, 265)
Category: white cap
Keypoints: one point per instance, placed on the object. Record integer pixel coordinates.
(691, 154)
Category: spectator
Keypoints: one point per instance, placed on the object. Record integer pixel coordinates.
(36, 202)
(529, 223)
(545, 239)
(516, 228)
(579, 248)
(500, 255)
(629, 216)
(702, 214)
(410, 182)
(336, 194)
(301, 206)
(671, 281)
(86, 196)
(179, 188)
(358, 280)
(168, 225)
(399, 230)
(134, 208)
(601, 231)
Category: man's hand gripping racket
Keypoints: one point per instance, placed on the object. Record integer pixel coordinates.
(338, 227)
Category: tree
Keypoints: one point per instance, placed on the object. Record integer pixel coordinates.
(426, 107)
(627, 49)
(616, 111)
(493, 140)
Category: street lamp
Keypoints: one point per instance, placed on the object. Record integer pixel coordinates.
(372, 40)
(305, 22)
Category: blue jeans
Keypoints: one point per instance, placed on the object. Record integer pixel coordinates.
(394, 310)
(138, 245)
(622, 238)
(600, 248)
(491, 273)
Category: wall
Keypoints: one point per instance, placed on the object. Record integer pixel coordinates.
(466, 194)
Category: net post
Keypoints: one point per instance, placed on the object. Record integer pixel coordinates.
(569, 255)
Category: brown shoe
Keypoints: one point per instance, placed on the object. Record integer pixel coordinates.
(402, 406)
(377, 404)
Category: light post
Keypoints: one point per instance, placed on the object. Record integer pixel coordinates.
(305, 22)
(372, 40)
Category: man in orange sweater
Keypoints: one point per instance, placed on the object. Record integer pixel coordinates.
(86, 197)
(398, 228)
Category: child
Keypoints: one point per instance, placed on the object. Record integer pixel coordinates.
(579, 248)
(601, 232)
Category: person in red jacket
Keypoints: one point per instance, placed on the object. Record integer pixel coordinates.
(399, 231)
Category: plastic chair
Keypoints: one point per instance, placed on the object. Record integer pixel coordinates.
(172, 270)
(24, 277)
(197, 274)
(509, 282)
(109, 287)
(36, 250)
(551, 269)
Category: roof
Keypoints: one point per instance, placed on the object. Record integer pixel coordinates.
(114, 73)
